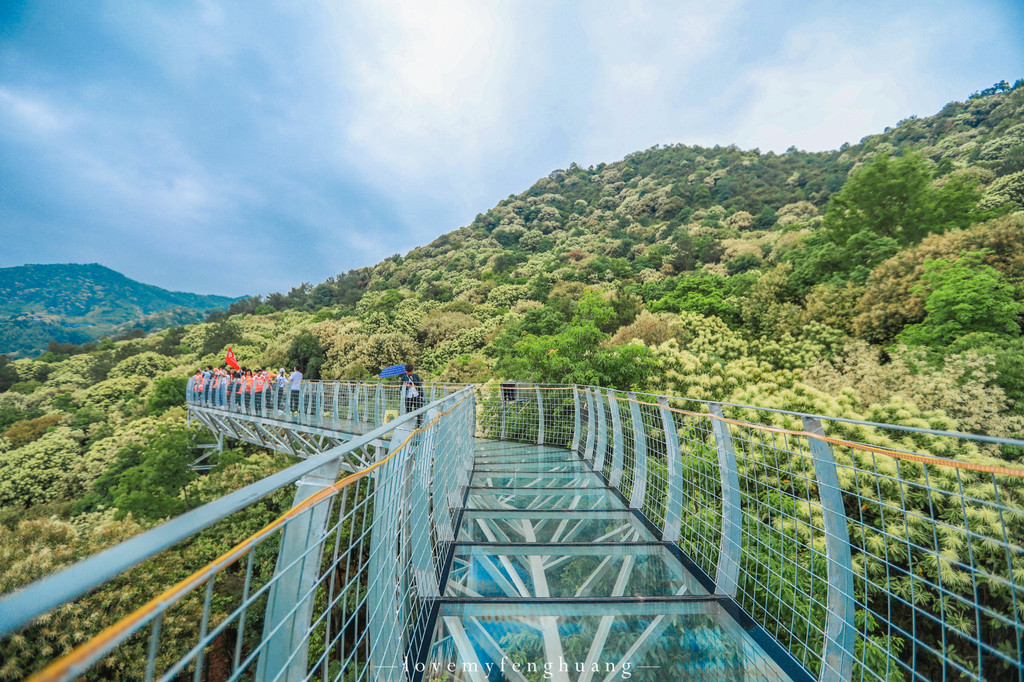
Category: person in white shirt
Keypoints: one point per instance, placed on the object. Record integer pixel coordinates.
(296, 381)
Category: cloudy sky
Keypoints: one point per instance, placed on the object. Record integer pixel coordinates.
(238, 147)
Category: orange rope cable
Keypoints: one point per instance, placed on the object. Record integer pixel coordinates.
(110, 635)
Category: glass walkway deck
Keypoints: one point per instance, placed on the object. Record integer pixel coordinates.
(553, 577)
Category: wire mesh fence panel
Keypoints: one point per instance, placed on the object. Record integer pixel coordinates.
(337, 586)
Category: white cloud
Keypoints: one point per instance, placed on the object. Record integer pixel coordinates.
(649, 57)
(824, 90)
(33, 114)
(428, 84)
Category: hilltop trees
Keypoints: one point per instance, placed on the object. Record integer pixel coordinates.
(895, 198)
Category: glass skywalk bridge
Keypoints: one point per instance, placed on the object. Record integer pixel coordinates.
(572, 533)
(554, 577)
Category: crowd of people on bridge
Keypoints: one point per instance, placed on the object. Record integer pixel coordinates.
(222, 386)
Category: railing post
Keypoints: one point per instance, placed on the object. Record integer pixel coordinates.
(840, 628)
(295, 585)
(378, 396)
(321, 397)
(334, 408)
(387, 631)
(588, 451)
(618, 448)
(358, 389)
(540, 416)
(602, 432)
(576, 428)
(674, 485)
(730, 549)
(504, 413)
(636, 497)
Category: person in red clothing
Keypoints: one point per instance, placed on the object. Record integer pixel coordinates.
(246, 386)
(258, 384)
(197, 386)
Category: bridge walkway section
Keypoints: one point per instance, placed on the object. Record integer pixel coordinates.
(552, 576)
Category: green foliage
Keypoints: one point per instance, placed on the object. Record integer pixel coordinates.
(1007, 357)
(42, 470)
(964, 297)
(307, 354)
(895, 198)
(26, 431)
(146, 480)
(707, 295)
(167, 393)
(7, 374)
(578, 354)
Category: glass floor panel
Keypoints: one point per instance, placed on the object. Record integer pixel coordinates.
(580, 572)
(655, 642)
(535, 480)
(507, 448)
(583, 498)
(575, 466)
(552, 458)
(508, 526)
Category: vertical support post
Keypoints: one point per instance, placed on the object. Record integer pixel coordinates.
(588, 450)
(636, 497)
(503, 409)
(320, 390)
(840, 629)
(334, 408)
(730, 549)
(576, 428)
(618, 447)
(540, 416)
(674, 485)
(602, 432)
(295, 585)
(355, 404)
(378, 397)
(387, 631)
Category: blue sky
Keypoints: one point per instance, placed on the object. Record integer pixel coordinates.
(239, 147)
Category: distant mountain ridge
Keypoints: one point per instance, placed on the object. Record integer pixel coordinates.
(75, 303)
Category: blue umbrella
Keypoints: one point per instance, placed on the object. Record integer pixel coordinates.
(392, 371)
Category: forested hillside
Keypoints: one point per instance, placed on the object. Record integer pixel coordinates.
(883, 281)
(72, 303)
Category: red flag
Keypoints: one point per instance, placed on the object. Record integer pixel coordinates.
(230, 359)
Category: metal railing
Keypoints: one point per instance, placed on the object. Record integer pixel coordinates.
(342, 581)
(868, 551)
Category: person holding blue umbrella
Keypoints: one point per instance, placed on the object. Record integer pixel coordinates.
(412, 390)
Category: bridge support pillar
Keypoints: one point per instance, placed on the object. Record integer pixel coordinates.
(290, 600)
(674, 485)
(576, 427)
(636, 497)
(729, 550)
(618, 450)
(602, 432)
(540, 416)
(588, 450)
(840, 628)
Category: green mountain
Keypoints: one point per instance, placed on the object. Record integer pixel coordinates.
(72, 303)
